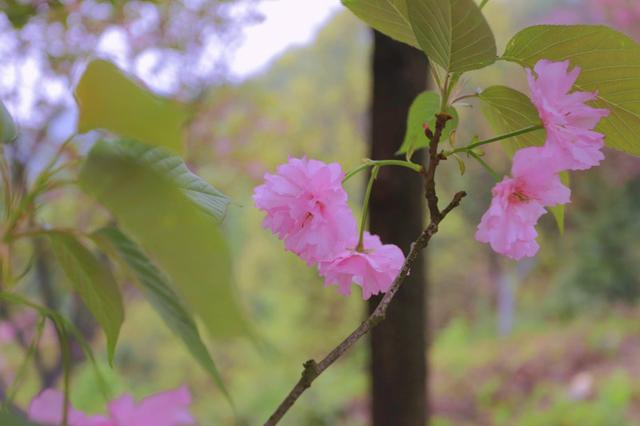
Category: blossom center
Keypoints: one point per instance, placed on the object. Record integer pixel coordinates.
(307, 218)
(518, 197)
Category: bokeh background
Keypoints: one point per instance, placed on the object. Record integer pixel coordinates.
(550, 341)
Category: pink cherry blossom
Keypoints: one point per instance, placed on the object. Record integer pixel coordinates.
(568, 120)
(169, 408)
(306, 207)
(373, 269)
(164, 409)
(519, 201)
(46, 408)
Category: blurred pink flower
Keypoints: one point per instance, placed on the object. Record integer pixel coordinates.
(373, 269)
(306, 207)
(624, 14)
(568, 120)
(169, 408)
(46, 408)
(519, 201)
(7, 332)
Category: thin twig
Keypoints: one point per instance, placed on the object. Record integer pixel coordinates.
(434, 160)
(514, 133)
(313, 369)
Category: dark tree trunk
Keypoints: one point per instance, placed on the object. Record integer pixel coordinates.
(399, 343)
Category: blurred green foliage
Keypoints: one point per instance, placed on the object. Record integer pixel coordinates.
(109, 99)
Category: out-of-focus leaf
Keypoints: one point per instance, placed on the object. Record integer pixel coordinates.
(423, 110)
(8, 131)
(93, 282)
(558, 211)
(508, 110)
(390, 17)
(178, 236)
(9, 419)
(109, 99)
(453, 33)
(609, 63)
(161, 296)
(18, 12)
(205, 196)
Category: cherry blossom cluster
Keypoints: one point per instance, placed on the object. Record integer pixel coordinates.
(571, 144)
(307, 207)
(164, 409)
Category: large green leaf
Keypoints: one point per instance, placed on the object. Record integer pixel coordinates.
(610, 64)
(453, 33)
(162, 297)
(8, 131)
(508, 110)
(424, 109)
(205, 196)
(109, 99)
(93, 282)
(185, 242)
(390, 17)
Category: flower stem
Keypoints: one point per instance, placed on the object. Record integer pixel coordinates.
(485, 165)
(380, 163)
(365, 206)
(460, 98)
(496, 138)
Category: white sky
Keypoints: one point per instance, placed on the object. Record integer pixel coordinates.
(287, 23)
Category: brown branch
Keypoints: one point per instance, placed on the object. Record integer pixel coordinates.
(434, 161)
(313, 369)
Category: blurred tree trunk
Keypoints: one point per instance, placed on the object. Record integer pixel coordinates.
(399, 343)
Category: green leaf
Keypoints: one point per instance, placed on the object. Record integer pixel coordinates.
(558, 211)
(108, 99)
(8, 131)
(9, 419)
(610, 64)
(508, 110)
(453, 33)
(93, 282)
(17, 12)
(424, 109)
(162, 297)
(177, 235)
(205, 196)
(389, 17)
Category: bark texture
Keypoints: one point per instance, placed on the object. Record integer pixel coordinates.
(399, 373)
